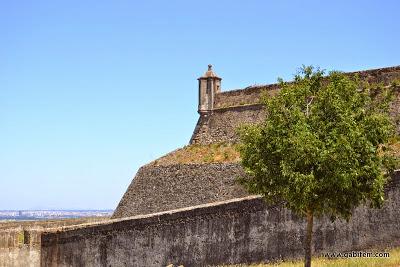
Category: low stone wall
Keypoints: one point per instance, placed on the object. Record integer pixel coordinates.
(161, 188)
(20, 240)
(232, 232)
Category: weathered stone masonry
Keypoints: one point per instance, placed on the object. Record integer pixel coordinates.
(20, 241)
(233, 108)
(221, 125)
(182, 185)
(231, 232)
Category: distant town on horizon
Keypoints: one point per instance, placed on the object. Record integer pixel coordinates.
(49, 214)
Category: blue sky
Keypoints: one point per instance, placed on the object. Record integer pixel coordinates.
(92, 90)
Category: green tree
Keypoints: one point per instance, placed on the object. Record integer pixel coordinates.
(322, 147)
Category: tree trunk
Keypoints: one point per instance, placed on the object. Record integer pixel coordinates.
(308, 239)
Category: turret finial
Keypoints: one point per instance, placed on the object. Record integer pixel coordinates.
(209, 67)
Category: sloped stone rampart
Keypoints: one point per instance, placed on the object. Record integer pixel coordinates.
(161, 188)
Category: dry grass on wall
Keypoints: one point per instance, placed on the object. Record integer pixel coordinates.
(213, 153)
(395, 146)
(221, 153)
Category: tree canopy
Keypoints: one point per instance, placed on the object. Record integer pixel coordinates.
(322, 149)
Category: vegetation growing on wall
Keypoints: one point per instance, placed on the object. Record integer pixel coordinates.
(20, 237)
(224, 153)
(212, 153)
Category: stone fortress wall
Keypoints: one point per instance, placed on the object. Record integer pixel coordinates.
(203, 210)
(233, 108)
(161, 188)
(235, 231)
(158, 223)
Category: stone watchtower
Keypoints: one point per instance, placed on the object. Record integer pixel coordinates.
(209, 85)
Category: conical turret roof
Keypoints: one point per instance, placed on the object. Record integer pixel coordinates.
(209, 73)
